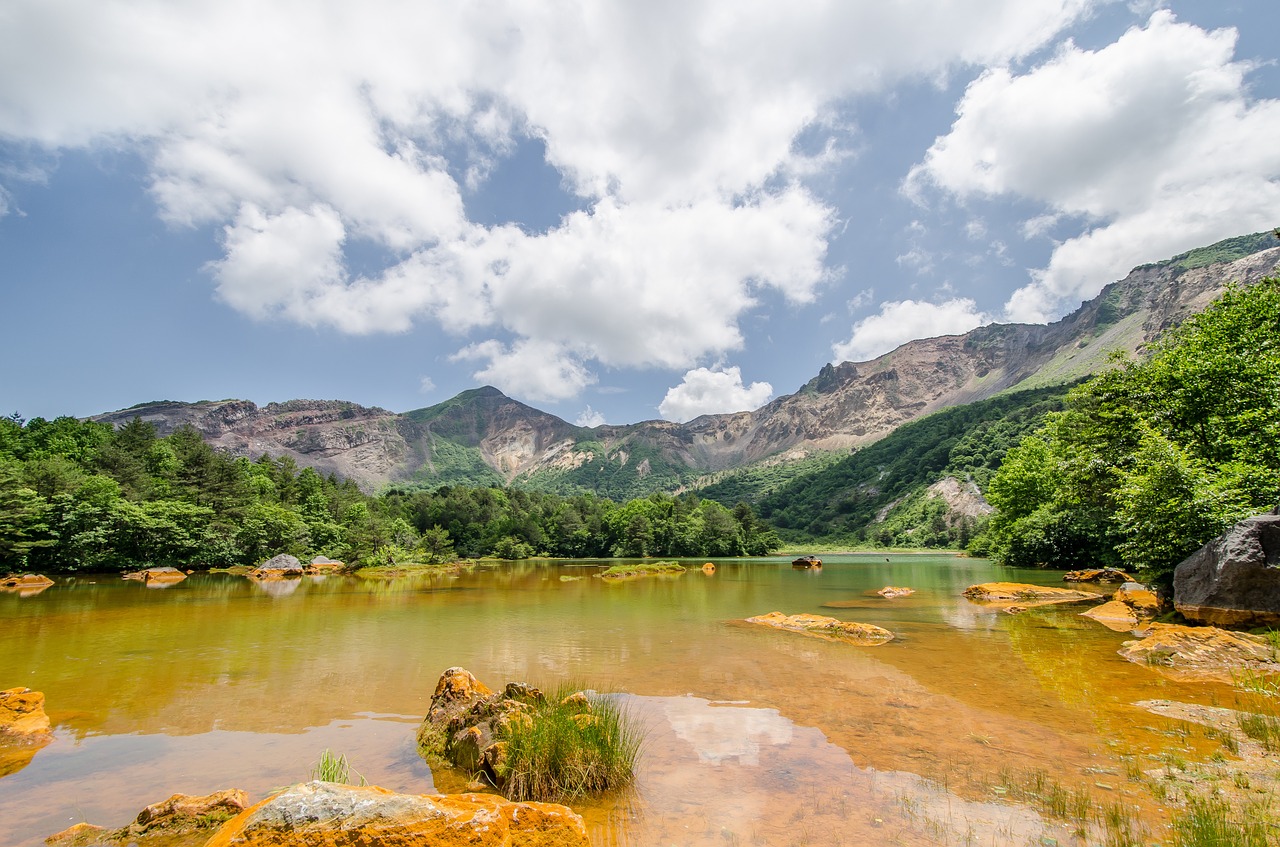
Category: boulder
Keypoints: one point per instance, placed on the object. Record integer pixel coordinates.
(158, 576)
(807, 562)
(283, 566)
(1234, 580)
(824, 627)
(1097, 575)
(181, 819)
(22, 715)
(1142, 600)
(1014, 597)
(709, 568)
(891, 591)
(1201, 652)
(324, 814)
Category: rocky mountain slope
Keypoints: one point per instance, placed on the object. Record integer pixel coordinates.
(483, 437)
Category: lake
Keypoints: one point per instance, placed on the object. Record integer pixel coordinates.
(754, 736)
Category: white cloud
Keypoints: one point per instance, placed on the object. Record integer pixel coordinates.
(1152, 139)
(590, 418)
(426, 385)
(904, 320)
(708, 392)
(307, 130)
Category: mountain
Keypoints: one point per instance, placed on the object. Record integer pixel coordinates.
(483, 437)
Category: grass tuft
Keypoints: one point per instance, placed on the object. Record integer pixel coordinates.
(568, 751)
(1212, 822)
(334, 768)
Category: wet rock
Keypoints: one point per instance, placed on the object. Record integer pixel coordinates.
(283, 566)
(708, 568)
(1142, 600)
(25, 585)
(1097, 575)
(807, 562)
(1201, 652)
(1014, 597)
(456, 690)
(159, 576)
(824, 627)
(1233, 580)
(891, 591)
(181, 819)
(323, 564)
(322, 814)
(22, 714)
(1114, 615)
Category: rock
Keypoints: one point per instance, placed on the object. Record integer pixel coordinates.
(159, 576)
(323, 814)
(80, 835)
(183, 808)
(283, 566)
(1014, 597)
(824, 627)
(708, 568)
(1201, 652)
(1234, 580)
(22, 714)
(323, 564)
(1138, 597)
(25, 582)
(182, 819)
(456, 690)
(1097, 575)
(891, 591)
(807, 562)
(1114, 615)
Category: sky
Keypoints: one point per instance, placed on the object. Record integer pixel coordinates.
(613, 211)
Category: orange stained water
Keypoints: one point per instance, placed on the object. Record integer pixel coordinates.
(754, 736)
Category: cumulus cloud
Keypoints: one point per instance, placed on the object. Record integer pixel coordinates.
(704, 391)
(590, 418)
(904, 320)
(1153, 140)
(323, 127)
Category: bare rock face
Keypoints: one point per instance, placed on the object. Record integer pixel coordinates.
(1233, 580)
(181, 819)
(824, 627)
(324, 814)
(24, 728)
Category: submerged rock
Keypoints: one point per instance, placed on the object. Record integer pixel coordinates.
(1014, 597)
(1114, 615)
(824, 627)
(1234, 580)
(891, 591)
(324, 814)
(1201, 652)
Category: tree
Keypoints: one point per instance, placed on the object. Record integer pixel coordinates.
(23, 514)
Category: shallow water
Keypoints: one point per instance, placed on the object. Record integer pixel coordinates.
(754, 736)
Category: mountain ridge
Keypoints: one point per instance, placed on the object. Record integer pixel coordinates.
(481, 436)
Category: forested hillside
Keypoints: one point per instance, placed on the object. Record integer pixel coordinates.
(1156, 456)
(853, 500)
(80, 495)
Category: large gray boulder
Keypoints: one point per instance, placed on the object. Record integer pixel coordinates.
(1234, 580)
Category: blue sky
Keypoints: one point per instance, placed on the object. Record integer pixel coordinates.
(612, 211)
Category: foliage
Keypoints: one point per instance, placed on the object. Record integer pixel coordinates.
(567, 751)
(334, 768)
(77, 495)
(643, 569)
(752, 483)
(1227, 250)
(1153, 458)
(846, 499)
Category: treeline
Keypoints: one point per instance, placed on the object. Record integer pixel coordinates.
(1153, 458)
(80, 495)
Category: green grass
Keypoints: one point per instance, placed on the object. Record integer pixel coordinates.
(644, 569)
(1258, 708)
(1213, 822)
(567, 751)
(335, 768)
